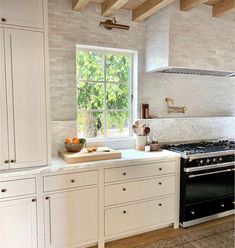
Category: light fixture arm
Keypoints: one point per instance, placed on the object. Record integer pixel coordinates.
(110, 24)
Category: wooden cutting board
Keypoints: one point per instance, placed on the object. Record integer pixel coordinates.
(84, 156)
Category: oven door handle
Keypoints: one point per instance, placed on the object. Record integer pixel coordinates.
(209, 167)
(209, 173)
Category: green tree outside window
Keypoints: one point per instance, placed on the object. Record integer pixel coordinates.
(103, 93)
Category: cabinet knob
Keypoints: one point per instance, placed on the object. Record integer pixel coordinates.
(124, 189)
(192, 212)
(6, 161)
(3, 19)
(160, 183)
(72, 181)
(159, 204)
(124, 173)
(3, 190)
(160, 169)
(34, 200)
(47, 198)
(124, 211)
(12, 161)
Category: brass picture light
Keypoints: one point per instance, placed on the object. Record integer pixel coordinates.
(110, 24)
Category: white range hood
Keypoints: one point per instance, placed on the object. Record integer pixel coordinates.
(190, 42)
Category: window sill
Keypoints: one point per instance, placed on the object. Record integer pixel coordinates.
(115, 143)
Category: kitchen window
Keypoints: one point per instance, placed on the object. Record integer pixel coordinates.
(104, 92)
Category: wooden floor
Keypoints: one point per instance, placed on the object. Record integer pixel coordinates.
(164, 233)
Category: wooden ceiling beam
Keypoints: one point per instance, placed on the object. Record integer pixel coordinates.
(187, 5)
(223, 7)
(110, 6)
(148, 8)
(79, 5)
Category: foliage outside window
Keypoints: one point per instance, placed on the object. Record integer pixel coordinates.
(103, 93)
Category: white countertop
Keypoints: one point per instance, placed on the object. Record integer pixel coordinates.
(129, 157)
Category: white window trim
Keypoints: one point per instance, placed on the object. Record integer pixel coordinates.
(133, 91)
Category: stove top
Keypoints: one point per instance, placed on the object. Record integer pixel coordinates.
(203, 149)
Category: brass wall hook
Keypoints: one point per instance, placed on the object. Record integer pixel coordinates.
(110, 24)
(172, 108)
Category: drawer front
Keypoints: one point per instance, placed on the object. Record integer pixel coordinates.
(135, 216)
(72, 180)
(17, 188)
(132, 172)
(139, 190)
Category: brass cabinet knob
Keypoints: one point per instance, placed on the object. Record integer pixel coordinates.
(3, 190)
(3, 19)
(159, 204)
(160, 183)
(34, 200)
(124, 173)
(12, 161)
(124, 189)
(72, 181)
(160, 169)
(124, 211)
(6, 161)
(47, 198)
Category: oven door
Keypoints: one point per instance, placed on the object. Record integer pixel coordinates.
(231, 178)
(207, 185)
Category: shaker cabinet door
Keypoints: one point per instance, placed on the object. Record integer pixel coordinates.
(71, 218)
(27, 13)
(26, 98)
(18, 223)
(3, 111)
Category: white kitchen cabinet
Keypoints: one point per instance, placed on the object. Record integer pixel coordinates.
(18, 223)
(139, 190)
(27, 13)
(24, 88)
(140, 215)
(140, 171)
(3, 109)
(14, 188)
(140, 198)
(71, 218)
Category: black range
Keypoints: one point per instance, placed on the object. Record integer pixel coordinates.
(207, 180)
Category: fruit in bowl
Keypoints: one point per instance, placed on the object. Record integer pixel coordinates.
(74, 144)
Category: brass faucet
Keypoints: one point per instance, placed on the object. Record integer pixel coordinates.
(173, 109)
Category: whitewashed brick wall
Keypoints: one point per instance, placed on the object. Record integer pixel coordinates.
(192, 39)
(68, 28)
(203, 96)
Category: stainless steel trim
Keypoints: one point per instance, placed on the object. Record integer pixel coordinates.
(208, 173)
(207, 218)
(207, 154)
(206, 167)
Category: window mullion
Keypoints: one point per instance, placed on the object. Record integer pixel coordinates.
(105, 103)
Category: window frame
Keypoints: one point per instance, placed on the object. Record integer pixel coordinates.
(132, 84)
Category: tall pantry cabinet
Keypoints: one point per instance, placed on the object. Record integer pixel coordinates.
(23, 87)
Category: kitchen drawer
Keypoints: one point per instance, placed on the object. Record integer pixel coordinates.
(17, 188)
(140, 215)
(72, 180)
(139, 190)
(146, 170)
(200, 210)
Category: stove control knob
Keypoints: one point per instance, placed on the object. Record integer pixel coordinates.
(214, 160)
(220, 159)
(201, 162)
(208, 161)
